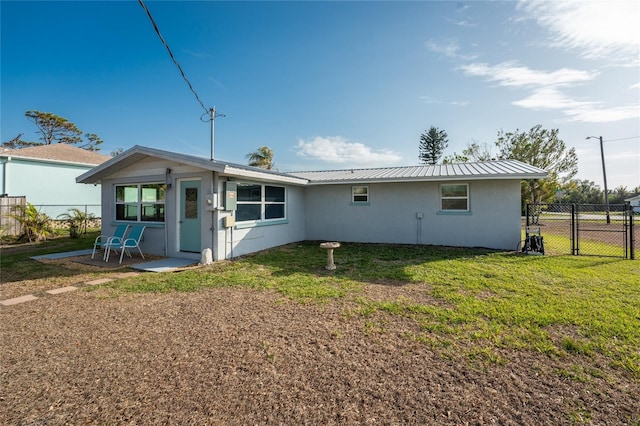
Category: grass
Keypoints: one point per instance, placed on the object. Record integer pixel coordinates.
(475, 303)
(16, 263)
(484, 302)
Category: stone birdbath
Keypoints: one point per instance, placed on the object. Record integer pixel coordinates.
(329, 246)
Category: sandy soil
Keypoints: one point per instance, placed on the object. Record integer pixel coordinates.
(240, 357)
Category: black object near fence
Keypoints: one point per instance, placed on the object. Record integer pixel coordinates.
(587, 229)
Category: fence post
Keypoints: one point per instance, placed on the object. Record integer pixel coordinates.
(574, 243)
(631, 234)
(528, 213)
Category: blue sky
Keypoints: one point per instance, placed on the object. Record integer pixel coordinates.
(330, 85)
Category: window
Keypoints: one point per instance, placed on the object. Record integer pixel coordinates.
(258, 202)
(454, 197)
(360, 194)
(140, 203)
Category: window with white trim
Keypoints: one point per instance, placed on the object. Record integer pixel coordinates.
(360, 194)
(140, 202)
(454, 197)
(260, 203)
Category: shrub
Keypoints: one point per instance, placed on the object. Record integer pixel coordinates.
(36, 226)
(77, 220)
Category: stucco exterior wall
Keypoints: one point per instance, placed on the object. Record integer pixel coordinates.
(493, 220)
(48, 183)
(159, 238)
(243, 240)
(325, 212)
(224, 242)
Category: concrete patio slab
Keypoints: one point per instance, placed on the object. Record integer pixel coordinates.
(61, 290)
(63, 255)
(99, 281)
(165, 265)
(16, 300)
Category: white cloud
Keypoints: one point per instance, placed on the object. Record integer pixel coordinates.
(635, 86)
(459, 103)
(598, 114)
(512, 74)
(598, 29)
(546, 91)
(463, 23)
(429, 100)
(549, 99)
(338, 150)
(449, 49)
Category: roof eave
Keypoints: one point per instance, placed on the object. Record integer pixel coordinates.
(47, 160)
(101, 171)
(256, 174)
(429, 179)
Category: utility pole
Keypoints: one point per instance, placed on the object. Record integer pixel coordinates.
(604, 173)
(212, 118)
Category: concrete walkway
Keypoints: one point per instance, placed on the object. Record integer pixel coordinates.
(162, 265)
(55, 291)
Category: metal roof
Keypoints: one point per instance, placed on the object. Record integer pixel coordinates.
(499, 169)
(138, 153)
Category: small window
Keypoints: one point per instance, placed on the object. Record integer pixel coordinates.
(359, 194)
(260, 203)
(454, 197)
(140, 203)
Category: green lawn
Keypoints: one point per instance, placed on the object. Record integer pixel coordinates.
(481, 303)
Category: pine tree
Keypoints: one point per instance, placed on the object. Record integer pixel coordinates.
(432, 145)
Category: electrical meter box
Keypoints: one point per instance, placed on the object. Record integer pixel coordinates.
(230, 195)
(229, 221)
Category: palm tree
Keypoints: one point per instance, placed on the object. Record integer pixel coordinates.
(262, 157)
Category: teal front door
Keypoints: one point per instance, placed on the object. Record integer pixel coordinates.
(190, 216)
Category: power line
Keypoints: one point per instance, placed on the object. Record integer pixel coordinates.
(155, 27)
(621, 139)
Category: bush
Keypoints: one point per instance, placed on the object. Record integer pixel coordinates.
(77, 220)
(36, 226)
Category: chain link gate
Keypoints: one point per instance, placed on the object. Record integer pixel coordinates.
(586, 229)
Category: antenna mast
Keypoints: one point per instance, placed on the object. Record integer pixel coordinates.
(212, 119)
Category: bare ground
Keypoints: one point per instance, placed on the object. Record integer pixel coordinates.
(240, 357)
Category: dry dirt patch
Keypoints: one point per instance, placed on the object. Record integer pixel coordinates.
(232, 356)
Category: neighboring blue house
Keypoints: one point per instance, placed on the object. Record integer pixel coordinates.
(46, 175)
(190, 203)
(635, 203)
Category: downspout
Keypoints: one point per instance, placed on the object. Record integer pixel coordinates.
(214, 211)
(4, 176)
(168, 185)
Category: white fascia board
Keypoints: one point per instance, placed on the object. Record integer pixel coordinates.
(243, 173)
(46, 160)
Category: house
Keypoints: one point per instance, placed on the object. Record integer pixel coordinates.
(45, 175)
(634, 202)
(190, 203)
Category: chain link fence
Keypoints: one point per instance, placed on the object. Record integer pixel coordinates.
(11, 227)
(585, 229)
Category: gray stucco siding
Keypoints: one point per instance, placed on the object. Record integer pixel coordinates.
(493, 219)
(153, 238)
(265, 235)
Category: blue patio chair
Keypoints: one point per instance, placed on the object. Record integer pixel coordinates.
(132, 241)
(102, 240)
